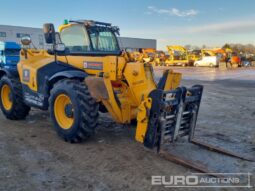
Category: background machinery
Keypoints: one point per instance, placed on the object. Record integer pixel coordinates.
(178, 56)
(159, 58)
(227, 56)
(235, 60)
(208, 58)
(86, 72)
(9, 56)
(147, 55)
(156, 58)
(194, 55)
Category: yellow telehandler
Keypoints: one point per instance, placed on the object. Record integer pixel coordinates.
(85, 72)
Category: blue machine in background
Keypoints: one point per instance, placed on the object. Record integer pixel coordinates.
(9, 56)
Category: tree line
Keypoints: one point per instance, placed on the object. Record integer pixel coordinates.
(238, 48)
(241, 48)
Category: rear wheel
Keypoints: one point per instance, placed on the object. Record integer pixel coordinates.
(73, 111)
(11, 102)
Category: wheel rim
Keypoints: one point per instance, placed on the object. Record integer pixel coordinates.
(64, 118)
(6, 97)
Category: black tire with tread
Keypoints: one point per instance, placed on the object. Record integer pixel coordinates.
(85, 117)
(19, 109)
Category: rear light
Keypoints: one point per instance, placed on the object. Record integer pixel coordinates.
(116, 84)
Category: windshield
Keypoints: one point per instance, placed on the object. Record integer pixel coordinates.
(11, 52)
(103, 39)
(180, 55)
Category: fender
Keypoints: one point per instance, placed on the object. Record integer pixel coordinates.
(68, 74)
(4, 71)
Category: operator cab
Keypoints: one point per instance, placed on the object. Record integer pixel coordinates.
(85, 37)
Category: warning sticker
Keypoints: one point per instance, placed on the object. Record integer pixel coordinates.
(93, 65)
(26, 75)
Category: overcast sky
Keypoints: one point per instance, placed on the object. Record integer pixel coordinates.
(195, 22)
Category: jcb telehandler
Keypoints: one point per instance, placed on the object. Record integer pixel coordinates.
(85, 72)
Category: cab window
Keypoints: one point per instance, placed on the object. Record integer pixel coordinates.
(75, 39)
(103, 40)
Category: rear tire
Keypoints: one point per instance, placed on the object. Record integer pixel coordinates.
(11, 101)
(75, 117)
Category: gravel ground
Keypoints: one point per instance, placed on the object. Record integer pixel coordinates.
(32, 157)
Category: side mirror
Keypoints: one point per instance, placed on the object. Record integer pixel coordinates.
(26, 41)
(49, 33)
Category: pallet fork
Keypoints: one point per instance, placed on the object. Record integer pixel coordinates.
(174, 115)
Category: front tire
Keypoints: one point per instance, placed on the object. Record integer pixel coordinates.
(11, 101)
(73, 111)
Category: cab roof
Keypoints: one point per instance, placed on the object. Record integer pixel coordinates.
(89, 23)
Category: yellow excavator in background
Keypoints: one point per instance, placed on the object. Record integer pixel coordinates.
(155, 58)
(193, 56)
(207, 52)
(178, 56)
(145, 55)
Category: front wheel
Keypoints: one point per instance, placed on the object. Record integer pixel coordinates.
(11, 101)
(211, 65)
(73, 111)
